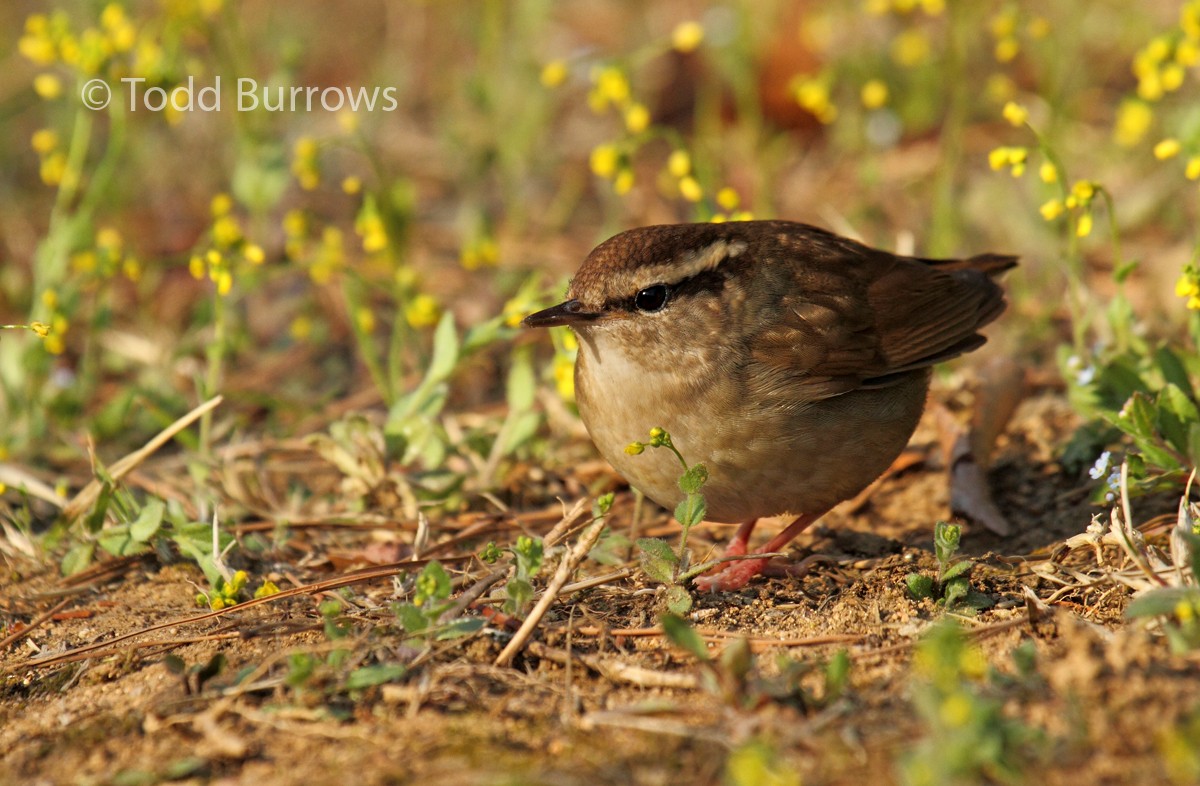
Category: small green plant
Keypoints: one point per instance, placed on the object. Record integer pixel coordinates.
(952, 586)
(969, 739)
(658, 560)
(1143, 403)
(421, 618)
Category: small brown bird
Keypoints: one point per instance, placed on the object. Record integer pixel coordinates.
(792, 362)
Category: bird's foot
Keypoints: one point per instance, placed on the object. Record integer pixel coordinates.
(732, 576)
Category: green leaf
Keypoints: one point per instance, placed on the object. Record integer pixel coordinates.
(1174, 371)
(370, 676)
(520, 592)
(1176, 414)
(522, 382)
(693, 479)
(955, 590)
(684, 636)
(445, 349)
(1161, 602)
(411, 618)
(678, 599)
(837, 675)
(657, 559)
(78, 558)
(1193, 446)
(956, 570)
(945, 541)
(459, 628)
(95, 520)
(691, 510)
(148, 521)
(919, 585)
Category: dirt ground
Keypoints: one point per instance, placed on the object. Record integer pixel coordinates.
(599, 696)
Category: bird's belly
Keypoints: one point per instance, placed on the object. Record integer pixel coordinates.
(761, 461)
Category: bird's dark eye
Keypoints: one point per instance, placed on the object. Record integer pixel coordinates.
(651, 299)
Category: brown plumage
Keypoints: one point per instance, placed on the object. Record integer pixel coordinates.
(791, 361)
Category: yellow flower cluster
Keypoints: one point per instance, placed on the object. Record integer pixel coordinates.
(53, 159)
(1161, 65)
(812, 93)
(1013, 157)
(481, 251)
(1188, 286)
(106, 258)
(1005, 33)
(305, 164)
(607, 161)
(370, 227)
(1079, 200)
(228, 246)
(687, 36)
(566, 348)
(881, 7)
(422, 311)
(728, 200)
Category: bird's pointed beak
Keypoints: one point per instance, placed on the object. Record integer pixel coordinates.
(570, 312)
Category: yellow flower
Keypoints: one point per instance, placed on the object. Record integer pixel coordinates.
(196, 267)
(955, 711)
(301, 328)
(254, 254)
(679, 163)
(637, 118)
(44, 140)
(109, 238)
(564, 377)
(874, 94)
(611, 85)
(226, 231)
(221, 205)
(689, 189)
(1000, 87)
(1038, 27)
(1192, 172)
(1172, 77)
(910, 48)
(604, 160)
(40, 328)
(47, 86)
(1084, 227)
(1167, 148)
(422, 311)
(1048, 172)
(687, 36)
(1015, 114)
(50, 299)
(54, 168)
(623, 182)
(224, 282)
(1006, 50)
(933, 7)
(1134, 119)
(1052, 209)
(351, 185)
(364, 318)
(553, 74)
(1187, 285)
(728, 198)
(1083, 190)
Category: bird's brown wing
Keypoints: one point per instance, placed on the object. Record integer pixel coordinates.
(889, 315)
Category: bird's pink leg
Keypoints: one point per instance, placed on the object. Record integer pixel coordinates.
(736, 574)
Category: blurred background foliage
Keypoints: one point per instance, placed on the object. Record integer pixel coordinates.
(301, 261)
